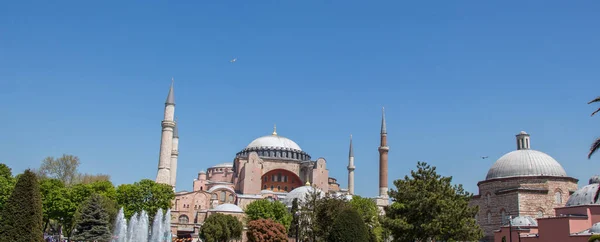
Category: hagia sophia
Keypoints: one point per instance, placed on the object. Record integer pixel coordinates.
(525, 196)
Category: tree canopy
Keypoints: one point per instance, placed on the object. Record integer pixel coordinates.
(368, 211)
(93, 220)
(21, 217)
(426, 206)
(596, 144)
(144, 195)
(327, 209)
(266, 230)
(220, 228)
(348, 226)
(265, 209)
(7, 183)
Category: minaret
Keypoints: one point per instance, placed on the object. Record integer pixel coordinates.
(166, 140)
(351, 169)
(523, 141)
(383, 159)
(174, 155)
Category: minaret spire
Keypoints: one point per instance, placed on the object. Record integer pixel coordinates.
(166, 141)
(351, 169)
(383, 158)
(274, 130)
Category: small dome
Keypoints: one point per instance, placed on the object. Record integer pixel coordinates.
(525, 162)
(300, 194)
(226, 164)
(594, 179)
(524, 221)
(584, 196)
(228, 208)
(523, 132)
(274, 141)
(595, 228)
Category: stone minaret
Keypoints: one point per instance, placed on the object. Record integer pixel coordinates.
(523, 141)
(174, 155)
(166, 140)
(351, 169)
(383, 159)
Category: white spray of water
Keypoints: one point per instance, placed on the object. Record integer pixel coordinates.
(138, 228)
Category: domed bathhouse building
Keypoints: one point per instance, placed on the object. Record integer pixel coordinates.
(523, 184)
(269, 167)
(577, 221)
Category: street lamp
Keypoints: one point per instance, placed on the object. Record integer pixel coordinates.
(510, 228)
(297, 215)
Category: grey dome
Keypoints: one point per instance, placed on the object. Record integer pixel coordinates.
(594, 179)
(584, 196)
(525, 162)
(274, 141)
(228, 208)
(299, 193)
(524, 221)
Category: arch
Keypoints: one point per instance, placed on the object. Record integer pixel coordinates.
(183, 219)
(503, 217)
(558, 196)
(488, 198)
(219, 187)
(278, 179)
(540, 213)
(489, 217)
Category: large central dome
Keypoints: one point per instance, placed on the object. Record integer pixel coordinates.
(273, 141)
(525, 162)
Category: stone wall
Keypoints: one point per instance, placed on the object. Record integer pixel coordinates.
(519, 196)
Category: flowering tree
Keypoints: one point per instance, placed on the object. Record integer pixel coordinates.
(266, 230)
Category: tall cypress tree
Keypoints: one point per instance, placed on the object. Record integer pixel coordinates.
(93, 221)
(21, 217)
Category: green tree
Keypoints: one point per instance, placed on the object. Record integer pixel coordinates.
(348, 227)
(93, 220)
(266, 230)
(327, 209)
(426, 206)
(22, 213)
(308, 215)
(220, 228)
(7, 183)
(56, 202)
(596, 145)
(265, 209)
(63, 168)
(144, 195)
(368, 211)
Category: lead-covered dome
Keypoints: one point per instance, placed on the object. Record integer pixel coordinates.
(300, 194)
(274, 141)
(586, 195)
(525, 162)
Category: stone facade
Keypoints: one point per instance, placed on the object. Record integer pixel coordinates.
(535, 196)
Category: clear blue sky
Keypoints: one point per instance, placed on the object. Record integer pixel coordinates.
(458, 80)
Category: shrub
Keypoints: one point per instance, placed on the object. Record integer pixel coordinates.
(266, 230)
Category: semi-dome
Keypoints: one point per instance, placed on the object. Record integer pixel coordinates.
(525, 162)
(586, 195)
(228, 208)
(226, 164)
(595, 228)
(300, 193)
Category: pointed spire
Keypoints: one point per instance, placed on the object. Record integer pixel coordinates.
(274, 129)
(351, 154)
(171, 96)
(383, 127)
(176, 129)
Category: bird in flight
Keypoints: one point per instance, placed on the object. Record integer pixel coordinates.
(234, 59)
(484, 157)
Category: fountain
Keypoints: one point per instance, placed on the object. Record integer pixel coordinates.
(137, 230)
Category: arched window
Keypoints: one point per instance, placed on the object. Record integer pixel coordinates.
(540, 213)
(558, 197)
(271, 187)
(476, 216)
(504, 218)
(285, 188)
(231, 198)
(488, 198)
(489, 217)
(222, 197)
(183, 219)
(200, 188)
(214, 196)
(278, 188)
(265, 187)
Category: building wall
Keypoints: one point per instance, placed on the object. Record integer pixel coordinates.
(220, 174)
(518, 196)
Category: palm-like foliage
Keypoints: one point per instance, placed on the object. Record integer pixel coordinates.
(596, 145)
